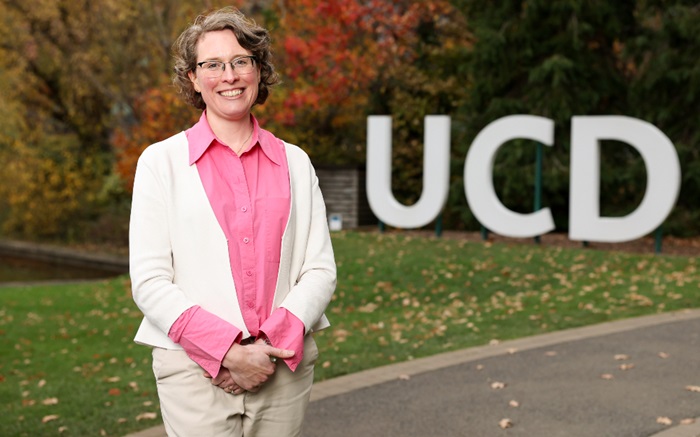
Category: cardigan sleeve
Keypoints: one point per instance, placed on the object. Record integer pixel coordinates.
(150, 251)
(312, 263)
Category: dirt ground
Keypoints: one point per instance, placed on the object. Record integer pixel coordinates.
(669, 245)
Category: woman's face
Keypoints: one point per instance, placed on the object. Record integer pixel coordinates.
(230, 96)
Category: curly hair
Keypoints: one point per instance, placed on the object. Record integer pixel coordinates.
(250, 36)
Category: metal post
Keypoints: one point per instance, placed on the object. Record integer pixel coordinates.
(658, 237)
(438, 225)
(484, 233)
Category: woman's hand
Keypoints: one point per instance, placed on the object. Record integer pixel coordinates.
(225, 381)
(251, 366)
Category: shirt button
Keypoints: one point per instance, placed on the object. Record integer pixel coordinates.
(249, 273)
(246, 240)
(244, 209)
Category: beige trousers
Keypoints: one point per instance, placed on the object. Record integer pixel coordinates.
(191, 406)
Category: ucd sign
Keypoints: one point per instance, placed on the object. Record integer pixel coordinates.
(585, 222)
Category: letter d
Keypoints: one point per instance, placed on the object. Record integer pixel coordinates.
(663, 178)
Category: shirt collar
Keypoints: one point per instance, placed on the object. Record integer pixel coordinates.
(200, 137)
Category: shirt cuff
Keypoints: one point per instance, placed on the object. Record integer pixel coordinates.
(205, 337)
(285, 331)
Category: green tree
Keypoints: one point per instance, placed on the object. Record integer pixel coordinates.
(665, 91)
(553, 59)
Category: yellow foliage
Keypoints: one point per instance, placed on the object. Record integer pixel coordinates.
(45, 190)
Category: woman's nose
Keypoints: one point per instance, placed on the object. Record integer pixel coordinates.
(229, 73)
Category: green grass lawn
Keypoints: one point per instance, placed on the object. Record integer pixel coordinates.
(69, 367)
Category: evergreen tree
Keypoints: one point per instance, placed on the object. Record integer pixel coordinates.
(554, 59)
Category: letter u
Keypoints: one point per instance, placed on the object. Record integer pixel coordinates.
(436, 173)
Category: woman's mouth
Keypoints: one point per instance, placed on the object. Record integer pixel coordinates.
(231, 93)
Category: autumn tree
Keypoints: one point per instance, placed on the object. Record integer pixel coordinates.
(71, 72)
(157, 112)
(424, 74)
(340, 61)
(343, 60)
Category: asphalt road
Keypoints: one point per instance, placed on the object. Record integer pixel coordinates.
(617, 384)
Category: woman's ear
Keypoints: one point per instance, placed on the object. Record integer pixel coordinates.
(193, 78)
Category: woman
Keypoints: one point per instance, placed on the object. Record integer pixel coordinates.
(230, 254)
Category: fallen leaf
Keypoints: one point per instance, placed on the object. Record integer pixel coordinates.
(146, 416)
(62, 429)
(134, 385)
(663, 355)
(626, 366)
(114, 392)
(404, 377)
(694, 388)
(606, 376)
(514, 404)
(369, 308)
(494, 342)
(41, 383)
(688, 421)
(497, 385)
(551, 353)
(512, 350)
(114, 379)
(326, 364)
(49, 418)
(479, 367)
(122, 420)
(621, 357)
(50, 401)
(505, 423)
(664, 420)
(341, 335)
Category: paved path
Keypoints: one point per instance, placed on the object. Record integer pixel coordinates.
(613, 379)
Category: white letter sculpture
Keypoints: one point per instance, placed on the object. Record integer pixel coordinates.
(663, 178)
(478, 176)
(436, 173)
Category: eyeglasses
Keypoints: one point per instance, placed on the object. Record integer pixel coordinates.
(240, 65)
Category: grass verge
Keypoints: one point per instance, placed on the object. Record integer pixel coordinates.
(69, 366)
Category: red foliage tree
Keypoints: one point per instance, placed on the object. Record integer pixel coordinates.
(160, 113)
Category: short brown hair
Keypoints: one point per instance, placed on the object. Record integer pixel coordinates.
(250, 36)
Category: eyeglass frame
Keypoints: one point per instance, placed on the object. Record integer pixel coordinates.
(223, 64)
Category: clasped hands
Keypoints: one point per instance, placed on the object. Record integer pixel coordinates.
(247, 368)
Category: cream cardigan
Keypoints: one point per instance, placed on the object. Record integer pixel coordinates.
(178, 254)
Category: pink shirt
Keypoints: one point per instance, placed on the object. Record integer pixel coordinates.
(250, 196)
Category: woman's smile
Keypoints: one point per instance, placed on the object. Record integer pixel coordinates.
(229, 97)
